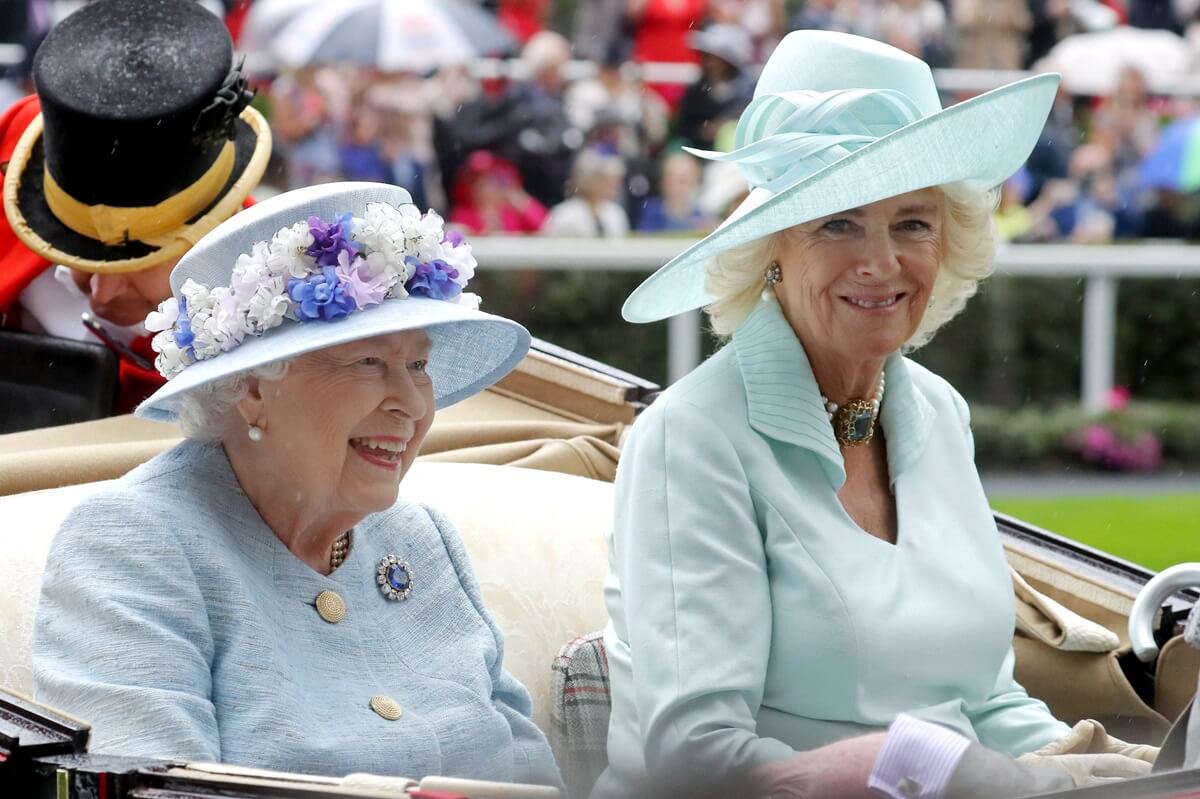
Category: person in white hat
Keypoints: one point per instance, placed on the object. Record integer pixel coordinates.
(723, 88)
(799, 560)
(258, 595)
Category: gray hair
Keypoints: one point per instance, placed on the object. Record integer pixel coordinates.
(590, 168)
(206, 412)
(735, 277)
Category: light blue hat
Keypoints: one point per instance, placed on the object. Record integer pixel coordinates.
(318, 267)
(838, 122)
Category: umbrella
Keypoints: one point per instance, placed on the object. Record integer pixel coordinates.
(1174, 163)
(392, 35)
(1091, 63)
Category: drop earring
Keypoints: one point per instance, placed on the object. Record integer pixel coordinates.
(255, 433)
(774, 275)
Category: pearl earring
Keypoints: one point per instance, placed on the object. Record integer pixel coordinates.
(774, 274)
(255, 432)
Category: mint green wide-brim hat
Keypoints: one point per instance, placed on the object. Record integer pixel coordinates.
(838, 122)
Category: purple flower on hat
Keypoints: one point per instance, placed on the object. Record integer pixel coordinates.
(434, 279)
(329, 239)
(453, 237)
(320, 296)
(358, 283)
(183, 329)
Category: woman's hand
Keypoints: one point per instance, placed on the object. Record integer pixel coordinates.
(1090, 755)
(837, 771)
(1091, 769)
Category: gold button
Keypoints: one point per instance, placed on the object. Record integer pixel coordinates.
(387, 707)
(331, 607)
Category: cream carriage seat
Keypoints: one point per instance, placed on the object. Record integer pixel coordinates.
(536, 540)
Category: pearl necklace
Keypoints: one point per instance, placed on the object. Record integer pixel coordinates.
(337, 555)
(854, 422)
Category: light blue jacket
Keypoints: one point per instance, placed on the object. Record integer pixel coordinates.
(174, 620)
(752, 618)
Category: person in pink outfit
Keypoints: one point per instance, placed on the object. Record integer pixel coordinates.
(489, 198)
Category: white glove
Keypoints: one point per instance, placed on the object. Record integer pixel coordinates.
(1090, 755)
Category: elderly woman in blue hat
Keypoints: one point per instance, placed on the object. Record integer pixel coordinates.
(802, 560)
(258, 595)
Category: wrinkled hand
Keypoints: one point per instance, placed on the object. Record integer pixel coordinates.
(837, 771)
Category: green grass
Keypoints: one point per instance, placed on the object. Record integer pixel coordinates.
(1153, 530)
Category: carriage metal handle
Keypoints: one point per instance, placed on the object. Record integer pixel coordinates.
(1150, 599)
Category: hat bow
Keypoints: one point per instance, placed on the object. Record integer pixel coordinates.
(783, 138)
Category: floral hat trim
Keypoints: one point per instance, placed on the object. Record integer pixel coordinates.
(315, 271)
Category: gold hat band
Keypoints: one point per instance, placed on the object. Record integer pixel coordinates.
(116, 224)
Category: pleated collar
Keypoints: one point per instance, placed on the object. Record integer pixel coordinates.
(785, 401)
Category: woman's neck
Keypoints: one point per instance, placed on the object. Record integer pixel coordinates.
(841, 380)
(303, 522)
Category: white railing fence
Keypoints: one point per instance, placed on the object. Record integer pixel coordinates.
(1101, 267)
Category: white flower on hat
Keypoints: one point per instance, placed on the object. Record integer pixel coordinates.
(265, 309)
(251, 268)
(262, 302)
(229, 329)
(165, 317)
(211, 339)
(287, 257)
(392, 269)
(197, 296)
(209, 334)
(422, 233)
(171, 360)
(470, 300)
(462, 259)
(381, 231)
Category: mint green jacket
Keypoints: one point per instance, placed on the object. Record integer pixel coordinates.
(752, 618)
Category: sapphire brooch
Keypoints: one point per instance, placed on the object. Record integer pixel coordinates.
(394, 577)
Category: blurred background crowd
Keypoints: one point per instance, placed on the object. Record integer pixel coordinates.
(569, 117)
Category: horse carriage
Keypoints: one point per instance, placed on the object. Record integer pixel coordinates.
(525, 470)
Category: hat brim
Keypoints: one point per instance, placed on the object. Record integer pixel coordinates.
(701, 43)
(980, 141)
(42, 232)
(471, 349)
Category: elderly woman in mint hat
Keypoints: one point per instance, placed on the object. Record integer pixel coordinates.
(808, 594)
(259, 595)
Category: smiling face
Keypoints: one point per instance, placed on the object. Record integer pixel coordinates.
(346, 422)
(856, 284)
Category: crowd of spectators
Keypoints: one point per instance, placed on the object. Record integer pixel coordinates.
(602, 153)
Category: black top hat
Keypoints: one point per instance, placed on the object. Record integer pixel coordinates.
(144, 143)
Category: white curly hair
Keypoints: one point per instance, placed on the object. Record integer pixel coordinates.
(736, 276)
(206, 412)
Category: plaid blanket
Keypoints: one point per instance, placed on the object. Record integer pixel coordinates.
(579, 695)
